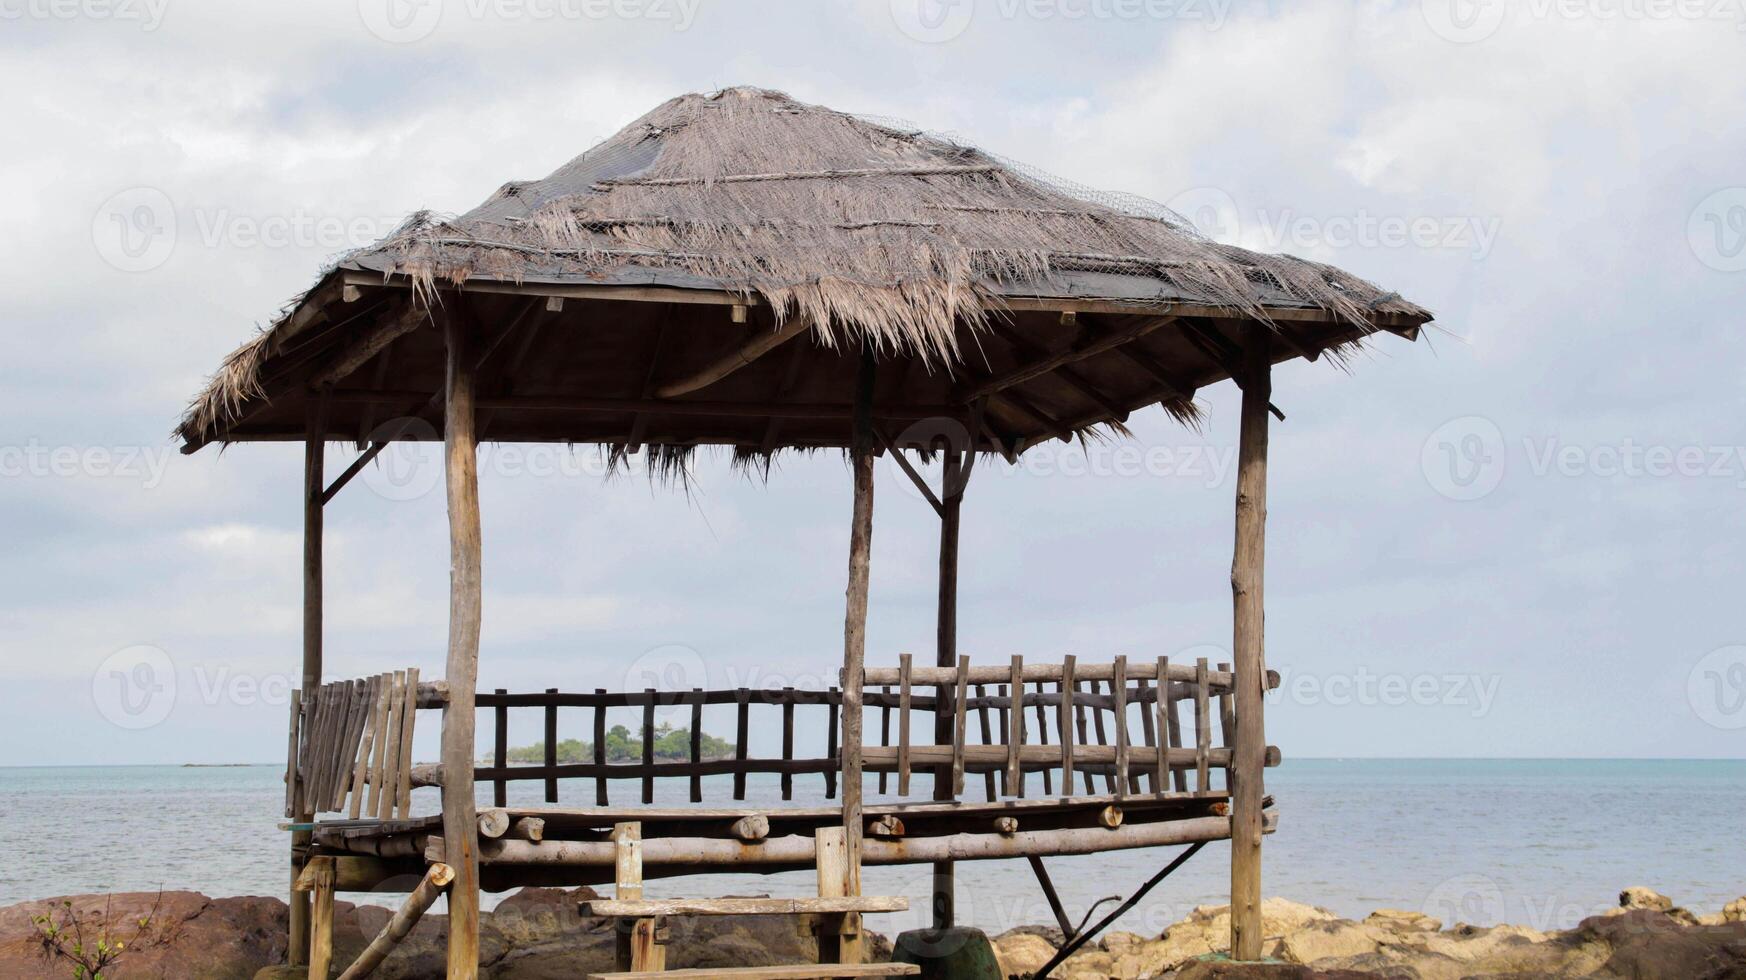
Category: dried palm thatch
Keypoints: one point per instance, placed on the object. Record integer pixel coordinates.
(877, 235)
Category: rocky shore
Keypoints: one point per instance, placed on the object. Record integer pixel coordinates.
(537, 935)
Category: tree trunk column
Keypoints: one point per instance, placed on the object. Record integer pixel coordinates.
(1249, 658)
(855, 619)
(460, 820)
(946, 646)
(314, 448)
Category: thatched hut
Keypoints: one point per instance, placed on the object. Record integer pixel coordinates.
(748, 271)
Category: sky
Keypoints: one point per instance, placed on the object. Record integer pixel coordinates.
(1519, 536)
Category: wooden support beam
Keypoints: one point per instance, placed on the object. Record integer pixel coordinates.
(1066, 373)
(633, 443)
(1220, 350)
(435, 882)
(910, 471)
(460, 821)
(1249, 662)
(855, 617)
(1072, 355)
(1053, 897)
(375, 340)
(949, 783)
(314, 457)
(760, 343)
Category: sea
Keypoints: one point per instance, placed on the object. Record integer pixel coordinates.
(1541, 843)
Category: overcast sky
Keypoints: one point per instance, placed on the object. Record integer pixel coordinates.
(1520, 536)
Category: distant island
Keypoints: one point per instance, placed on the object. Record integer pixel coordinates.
(622, 745)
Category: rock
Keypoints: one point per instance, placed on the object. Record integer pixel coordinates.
(1328, 940)
(1116, 941)
(1022, 953)
(1400, 920)
(1638, 897)
(1644, 943)
(190, 936)
(1734, 911)
(1052, 934)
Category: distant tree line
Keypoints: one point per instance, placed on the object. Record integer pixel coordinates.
(622, 745)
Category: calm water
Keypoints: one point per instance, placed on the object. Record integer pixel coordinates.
(1542, 843)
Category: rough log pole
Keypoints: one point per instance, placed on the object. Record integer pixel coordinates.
(297, 949)
(855, 619)
(1249, 662)
(436, 881)
(460, 821)
(946, 647)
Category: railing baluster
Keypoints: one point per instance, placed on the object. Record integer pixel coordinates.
(1119, 689)
(1066, 685)
(884, 730)
(500, 786)
(831, 750)
(988, 778)
(903, 725)
(961, 692)
(1043, 739)
(697, 744)
(1148, 731)
(1202, 727)
(600, 794)
(1015, 735)
(1227, 725)
(649, 747)
(787, 742)
(551, 746)
(742, 730)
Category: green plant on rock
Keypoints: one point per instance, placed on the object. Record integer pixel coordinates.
(63, 938)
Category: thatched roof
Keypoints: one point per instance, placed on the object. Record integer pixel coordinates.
(928, 251)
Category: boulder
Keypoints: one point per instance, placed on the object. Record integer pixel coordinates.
(1022, 953)
(188, 936)
(1401, 920)
(1638, 897)
(1645, 943)
(1734, 911)
(1330, 940)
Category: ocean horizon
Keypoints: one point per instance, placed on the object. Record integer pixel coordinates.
(1536, 842)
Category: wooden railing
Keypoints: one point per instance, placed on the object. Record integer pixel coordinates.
(1069, 722)
(353, 739)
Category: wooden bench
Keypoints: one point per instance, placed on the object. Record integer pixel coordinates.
(834, 914)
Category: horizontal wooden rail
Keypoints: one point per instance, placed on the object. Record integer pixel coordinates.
(1219, 680)
(993, 758)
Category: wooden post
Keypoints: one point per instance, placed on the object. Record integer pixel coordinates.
(321, 919)
(1249, 661)
(855, 618)
(946, 655)
(436, 881)
(460, 821)
(314, 447)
